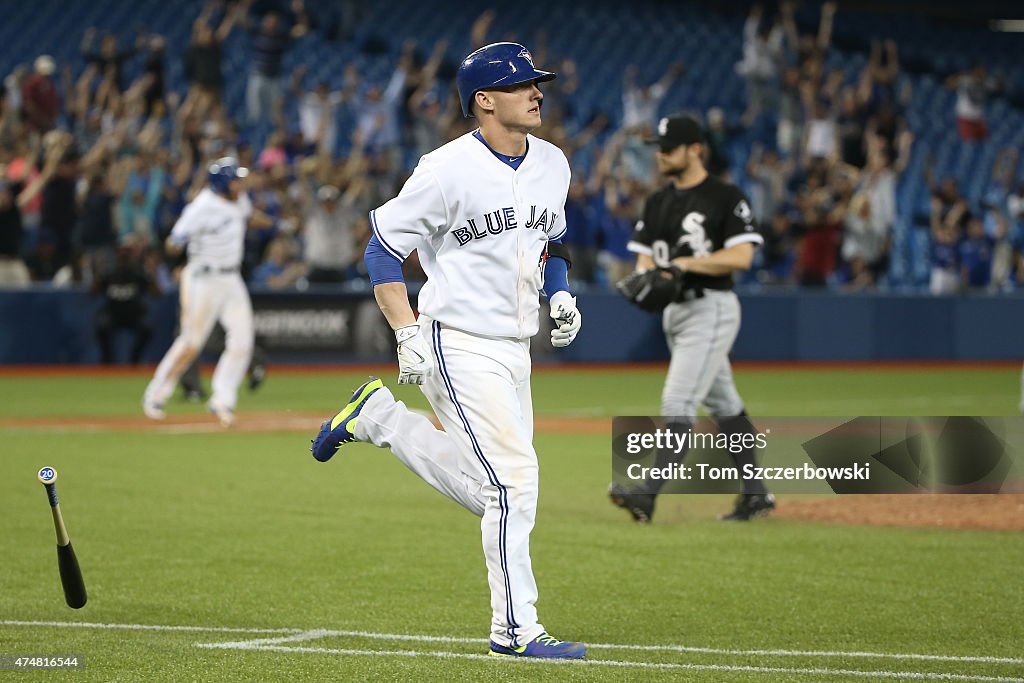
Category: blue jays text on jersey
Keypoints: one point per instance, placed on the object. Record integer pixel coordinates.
(498, 221)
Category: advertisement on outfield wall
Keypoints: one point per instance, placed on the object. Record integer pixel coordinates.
(343, 324)
(349, 324)
(324, 325)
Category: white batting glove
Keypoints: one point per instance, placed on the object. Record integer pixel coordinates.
(415, 362)
(568, 319)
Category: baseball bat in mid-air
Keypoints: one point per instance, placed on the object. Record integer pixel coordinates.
(70, 573)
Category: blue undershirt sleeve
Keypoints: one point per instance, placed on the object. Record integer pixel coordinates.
(382, 266)
(556, 275)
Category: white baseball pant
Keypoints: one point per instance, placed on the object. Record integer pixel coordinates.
(484, 460)
(208, 296)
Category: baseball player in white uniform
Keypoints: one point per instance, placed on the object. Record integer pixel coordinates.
(213, 226)
(485, 212)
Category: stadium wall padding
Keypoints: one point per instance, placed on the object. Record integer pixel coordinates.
(43, 325)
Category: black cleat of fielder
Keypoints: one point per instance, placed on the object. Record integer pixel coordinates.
(195, 395)
(750, 506)
(257, 373)
(639, 505)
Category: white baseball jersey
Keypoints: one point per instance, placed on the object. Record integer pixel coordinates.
(214, 227)
(480, 228)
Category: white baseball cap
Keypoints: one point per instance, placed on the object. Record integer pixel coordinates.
(45, 65)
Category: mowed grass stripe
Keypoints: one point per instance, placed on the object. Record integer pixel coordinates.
(814, 671)
(797, 390)
(296, 634)
(148, 627)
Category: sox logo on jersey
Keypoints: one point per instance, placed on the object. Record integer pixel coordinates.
(694, 234)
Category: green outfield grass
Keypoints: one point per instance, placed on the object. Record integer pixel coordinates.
(242, 530)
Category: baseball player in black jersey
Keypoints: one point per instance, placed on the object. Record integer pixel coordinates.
(699, 230)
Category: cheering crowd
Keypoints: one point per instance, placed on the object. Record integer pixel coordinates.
(97, 158)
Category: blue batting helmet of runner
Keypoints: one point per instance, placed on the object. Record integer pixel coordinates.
(496, 65)
(223, 171)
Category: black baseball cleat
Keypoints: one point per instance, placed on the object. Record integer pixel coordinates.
(639, 505)
(257, 373)
(195, 395)
(750, 506)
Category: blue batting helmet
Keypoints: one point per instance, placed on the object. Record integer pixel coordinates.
(223, 171)
(496, 65)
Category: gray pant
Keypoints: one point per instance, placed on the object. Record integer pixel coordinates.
(700, 334)
(262, 97)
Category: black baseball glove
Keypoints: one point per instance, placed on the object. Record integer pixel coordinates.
(654, 289)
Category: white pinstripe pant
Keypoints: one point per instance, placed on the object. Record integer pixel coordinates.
(484, 460)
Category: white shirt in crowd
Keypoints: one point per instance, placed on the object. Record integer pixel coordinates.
(971, 94)
(640, 105)
(881, 189)
(312, 109)
(760, 54)
(864, 237)
(821, 138)
(328, 236)
(377, 122)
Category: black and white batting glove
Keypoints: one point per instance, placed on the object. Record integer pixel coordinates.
(415, 362)
(568, 319)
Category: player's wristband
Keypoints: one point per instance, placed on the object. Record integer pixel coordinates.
(561, 251)
(404, 334)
